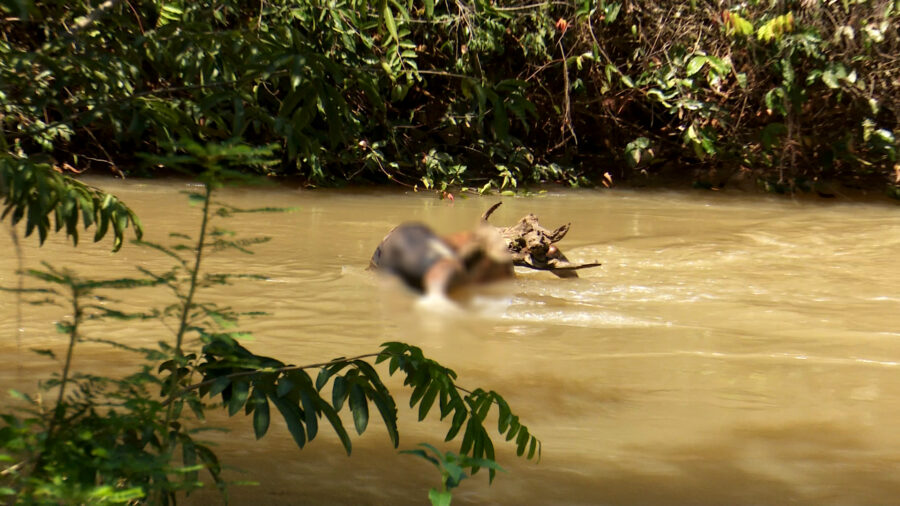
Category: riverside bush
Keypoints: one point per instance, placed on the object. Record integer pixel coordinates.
(482, 94)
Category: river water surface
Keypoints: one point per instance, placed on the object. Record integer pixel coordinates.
(731, 349)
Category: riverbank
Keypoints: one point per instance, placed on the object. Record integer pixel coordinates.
(739, 183)
(494, 95)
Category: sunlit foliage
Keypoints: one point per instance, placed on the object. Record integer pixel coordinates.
(488, 94)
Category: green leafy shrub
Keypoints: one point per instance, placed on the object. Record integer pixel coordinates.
(372, 92)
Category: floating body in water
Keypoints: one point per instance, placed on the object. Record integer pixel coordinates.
(436, 265)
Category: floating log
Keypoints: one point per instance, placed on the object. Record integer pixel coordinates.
(533, 246)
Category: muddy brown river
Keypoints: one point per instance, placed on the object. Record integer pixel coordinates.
(732, 349)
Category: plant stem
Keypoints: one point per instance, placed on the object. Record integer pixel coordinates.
(189, 300)
(20, 285)
(59, 409)
(567, 103)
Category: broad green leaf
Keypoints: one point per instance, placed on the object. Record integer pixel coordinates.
(469, 436)
(421, 381)
(292, 416)
(210, 460)
(309, 409)
(521, 441)
(239, 392)
(102, 226)
(439, 498)
(514, 427)
(260, 414)
(339, 392)
(390, 22)
(456, 424)
(695, 64)
(611, 11)
(484, 407)
(422, 454)
(359, 406)
(454, 472)
(444, 403)
(428, 399)
(388, 410)
(504, 417)
(490, 456)
(285, 385)
(323, 377)
(219, 385)
(478, 443)
(335, 421)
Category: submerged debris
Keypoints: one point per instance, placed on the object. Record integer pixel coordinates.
(432, 264)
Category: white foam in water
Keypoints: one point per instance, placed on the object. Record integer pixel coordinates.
(438, 303)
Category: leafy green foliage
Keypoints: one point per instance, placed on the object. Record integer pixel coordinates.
(452, 468)
(35, 192)
(131, 439)
(439, 94)
(481, 95)
(251, 382)
(105, 439)
(786, 90)
(337, 88)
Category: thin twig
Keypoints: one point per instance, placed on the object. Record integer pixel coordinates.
(20, 272)
(109, 160)
(567, 102)
(11, 469)
(137, 17)
(259, 19)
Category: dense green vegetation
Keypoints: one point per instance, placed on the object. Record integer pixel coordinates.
(790, 95)
(91, 438)
(483, 94)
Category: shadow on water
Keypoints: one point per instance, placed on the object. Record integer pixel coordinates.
(706, 473)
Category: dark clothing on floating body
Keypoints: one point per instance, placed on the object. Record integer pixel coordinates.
(409, 251)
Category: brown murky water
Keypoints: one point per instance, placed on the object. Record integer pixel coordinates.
(731, 350)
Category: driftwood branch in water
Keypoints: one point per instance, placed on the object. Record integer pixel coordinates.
(532, 245)
(563, 267)
(487, 214)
